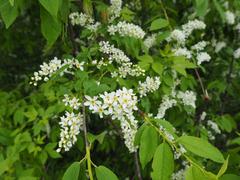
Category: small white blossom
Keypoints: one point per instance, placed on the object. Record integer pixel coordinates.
(126, 29)
(203, 116)
(150, 85)
(230, 17)
(214, 126)
(72, 102)
(203, 57)
(188, 98)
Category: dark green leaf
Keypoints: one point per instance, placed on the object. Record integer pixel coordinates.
(158, 24)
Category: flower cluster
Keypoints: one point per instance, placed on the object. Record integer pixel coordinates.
(48, 69)
(126, 29)
(117, 55)
(236, 53)
(219, 46)
(166, 104)
(183, 52)
(71, 102)
(119, 105)
(150, 41)
(70, 124)
(180, 174)
(203, 57)
(150, 85)
(230, 17)
(188, 98)
(115, 9)
(166, 134)
(214, 126)
(84, 20)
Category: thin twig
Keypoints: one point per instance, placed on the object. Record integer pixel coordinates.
(138, 170)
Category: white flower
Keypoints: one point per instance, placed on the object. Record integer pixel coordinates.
(183, 52)
(115, 9)
(126, 29)
(150, 85)
(203, 116)
(120, 105)
(214, 126)
(70, 127)
(166, 104)
(199, 46)
(230, 17)
(150, 41)
(236, 53)
(219, 46)
(202, 57)
(73, 103)
(84, 20)
(188, 98)
(47, 70)
(189, 27)
(179, 36)
(117, 55)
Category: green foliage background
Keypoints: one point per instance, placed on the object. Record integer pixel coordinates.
(34, 31)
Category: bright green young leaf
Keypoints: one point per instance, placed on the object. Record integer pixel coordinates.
(11, 2)
(146, 58)
(72, 172)
(163, 163)
(202, 7)
(223, 168)
(180, 64)
(158, 67)
(201, 148)
(148, 145)
(193, 173)
(158, 24)
(31, 114)
(8, 12)
(50, 27)
(99, 137)
(104, 173)
(51, 6)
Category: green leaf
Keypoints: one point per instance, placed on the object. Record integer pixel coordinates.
(180, 64)
(72, 172)
(138, 135)
(104, 173)
(201, 6)
(31, 114)
(51, 6)
(194, 173)
(8, 12)
(50, 27)
(50, 148)
(99, 137)
(11, 2)
(223, 168)
(148, 145)
(219, 9)
(158, 24)
(158, 67)
(163, 163)
(201, 148)
(146, 58)
(230, 177)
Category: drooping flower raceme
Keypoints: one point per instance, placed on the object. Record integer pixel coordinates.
(120, 105)
(115, 9)
(150, 85)
(199, 46)
(126, 29)
(48, 69)
(70, 124)
(189, 27)
(219, 46)
(84, 20)
(166, 104)
(183, 52)
(178, 36)
(118, 56)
